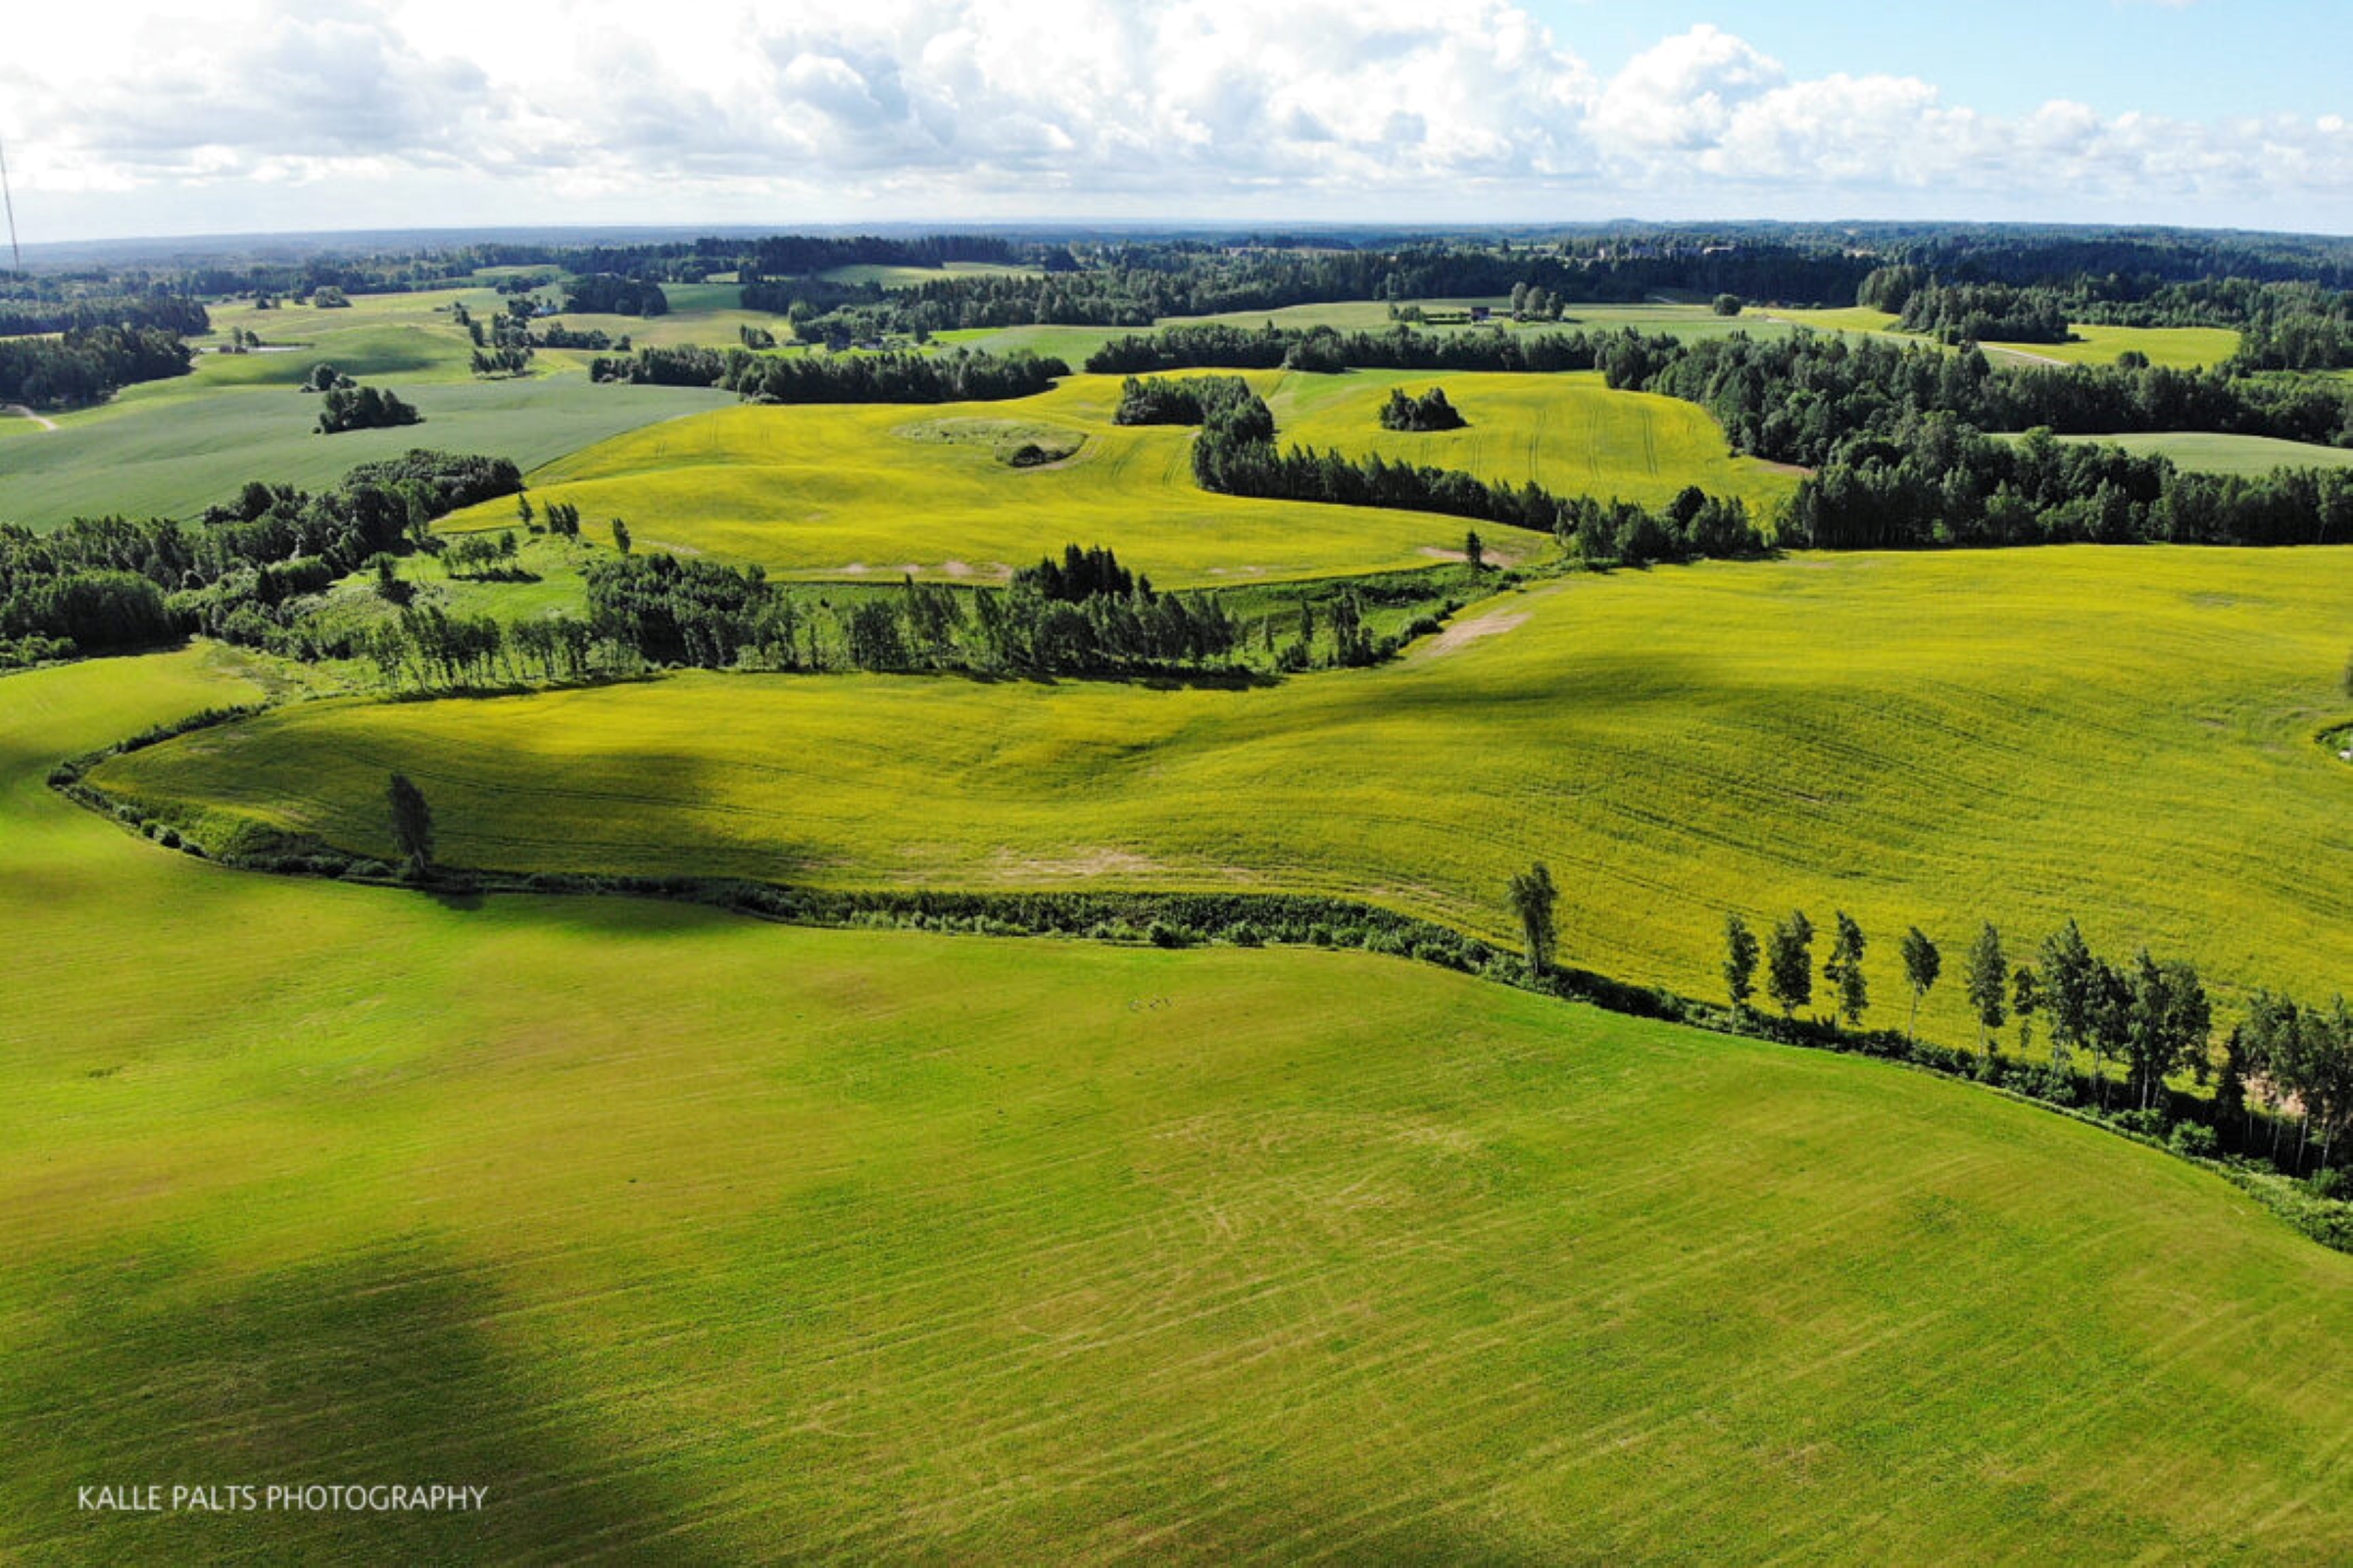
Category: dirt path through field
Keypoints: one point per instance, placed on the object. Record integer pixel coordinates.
(2022, 354)
(1493, 623)
(24, 413)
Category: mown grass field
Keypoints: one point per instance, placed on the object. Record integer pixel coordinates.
(894, 277)
(1569, 433)
(699, 1240)
(2126, 736)
(175, 456)
(879, 489)
(1075, 343)
(833, 490)
(2181, 347)
(2205, 453)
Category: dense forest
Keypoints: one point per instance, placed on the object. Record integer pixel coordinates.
(957, 376)
(87, 365)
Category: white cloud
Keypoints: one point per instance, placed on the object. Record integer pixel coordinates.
(450, 111)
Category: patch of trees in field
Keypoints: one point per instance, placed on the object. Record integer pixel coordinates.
(88, 365)
(1983, 312)
(363, 407)
(611, 294)
(503, 346)
(1428, 412)
(1236, 454)
(1225, 401)
(97, 585)
(957, 378)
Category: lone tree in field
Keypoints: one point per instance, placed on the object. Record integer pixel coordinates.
(1986, 976)
(1474, 551)
(1739, 962)
(1922, 964)
(1533, 896)
(411, 825)
(620, 536)
(1844, 969)
(1789, 964)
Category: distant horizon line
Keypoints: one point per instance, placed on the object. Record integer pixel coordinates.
(459, 233)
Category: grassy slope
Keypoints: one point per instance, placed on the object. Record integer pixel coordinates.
(818, 490)
(175, 447)
(1568, 433)
(2124, 735)
(179, 458)
(2182, 347)
(699, 1240)
(826, 489)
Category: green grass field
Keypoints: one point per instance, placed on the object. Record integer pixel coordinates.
(2181, 347)
(2204, 452)
(1566, 432)
(174, 456)
(699, 1240)
(1075, 343)
(893, 276)
(830, 490)
(827, 490)
(2124, 735)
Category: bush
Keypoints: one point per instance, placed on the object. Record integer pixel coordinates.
(2195, 1140)
(2333, 1183)
(1161, 934)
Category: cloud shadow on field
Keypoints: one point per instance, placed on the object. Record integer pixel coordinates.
(371, 1368)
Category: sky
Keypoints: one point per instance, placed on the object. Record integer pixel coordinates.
(141, 118)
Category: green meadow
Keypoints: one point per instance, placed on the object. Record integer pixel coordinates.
(1075, 343)
(1568, 433)
(2205, 453)
(176, 456)
(836, 490)
(2124, 735)
(894, 277)
(2180, 347)
(695, 1238)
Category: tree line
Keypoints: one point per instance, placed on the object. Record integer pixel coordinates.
(88, 365)
(1236, 454)
(2287, 1067)
(1328, 350)
(611, 294)
(99, 584)
(954, 377)
(156, 308)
